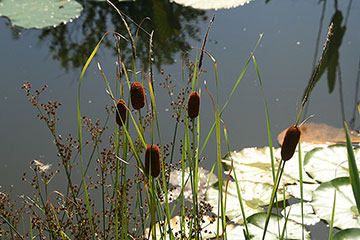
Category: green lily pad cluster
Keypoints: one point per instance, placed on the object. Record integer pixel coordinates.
(40, 13)
(325, 172)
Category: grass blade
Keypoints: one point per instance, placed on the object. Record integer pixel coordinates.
(332, 217)
(353, 170)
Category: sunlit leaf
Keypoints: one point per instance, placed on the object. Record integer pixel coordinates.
(308, 189)
(256, 223)
(351, 233)
(176, 187)
(233, 209)
(346, 214)
(40, 13)
(208, 229)
(324, 164)
(212, 4)
(253, 164)
(295, 213)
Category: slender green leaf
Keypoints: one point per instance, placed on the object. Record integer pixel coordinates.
(353, 170)
(350, 233)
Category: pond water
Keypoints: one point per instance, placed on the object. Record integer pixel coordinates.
(293, 35)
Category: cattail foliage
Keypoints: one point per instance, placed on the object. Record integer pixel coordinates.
(290, 142)
(121, 108)
(152, 156)
(137, 95)
(193, 105)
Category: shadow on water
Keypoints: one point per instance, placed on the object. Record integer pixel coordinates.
(331, 58)
(173, 26)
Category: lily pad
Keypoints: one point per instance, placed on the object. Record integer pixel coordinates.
(325, 164)
(321, 134)
(346, 214)
(295, 213)
(176, 181)
(212, 4)
(351, 233)
(254, 164)
(233, 209)
(256, 224)
(208, 229)
(40, 13)
(308, 189)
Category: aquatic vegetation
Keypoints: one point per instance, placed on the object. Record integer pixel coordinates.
(40, 13)
(167, 194)
(137, 95)
(193, 105)
(152, 160)
(291, 139)
(121, 110)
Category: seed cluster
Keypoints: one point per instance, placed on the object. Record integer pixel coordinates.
(68, 211)
(177, 100)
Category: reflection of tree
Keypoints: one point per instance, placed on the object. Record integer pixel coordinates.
(173, 25)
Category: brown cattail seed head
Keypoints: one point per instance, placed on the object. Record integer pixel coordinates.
(193, 105)
(152, 155)
(121, 108)
(137, 95)
(290, 142)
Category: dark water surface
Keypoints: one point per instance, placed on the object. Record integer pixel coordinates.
(285, 58)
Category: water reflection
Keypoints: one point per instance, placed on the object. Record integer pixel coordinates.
(174, 25)
(331, 58)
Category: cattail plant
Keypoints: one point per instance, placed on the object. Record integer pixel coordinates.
(121, 109)
(152, 156)
(290, 142)
(193, 105)
(137, 95)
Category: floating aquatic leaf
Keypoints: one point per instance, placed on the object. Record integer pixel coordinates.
(321, 133)
(256, 223)
(40, 13)
(295, 213)
(208, 229)
(325, 164)
(176, 180)
(233, 209)
(212, 4)
(253, 164)
(350, 233)
(346, 214)
(308, 189)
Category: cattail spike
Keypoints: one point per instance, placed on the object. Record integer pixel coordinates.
(152, 156)
(121, 108)
(290, 142)
(193, 105)
(137, 95)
